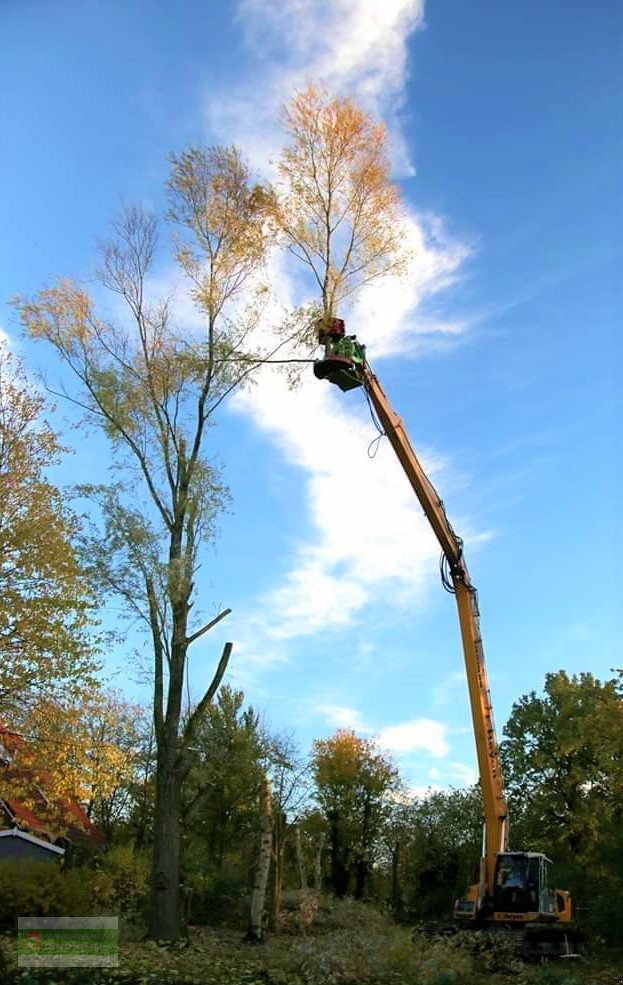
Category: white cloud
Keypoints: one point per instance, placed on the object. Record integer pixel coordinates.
(386, 312)
(354, 46)
(415, 735)
(366, 541)
(419, 792)
(419, 734)
(466, 775)
(342, 716)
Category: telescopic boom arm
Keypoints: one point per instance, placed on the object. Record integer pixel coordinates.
(494, 803)
(345, 364)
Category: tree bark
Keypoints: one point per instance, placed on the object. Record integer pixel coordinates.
(279, 844)
(318, 862)
(299, 857)
(362, 866)
(172, 764)
(165, 922)
(340, 876)
(395, 883)
(256, 932)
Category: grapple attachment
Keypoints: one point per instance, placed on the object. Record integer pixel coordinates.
(344, 357)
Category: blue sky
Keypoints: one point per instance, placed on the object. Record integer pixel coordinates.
(502, 352)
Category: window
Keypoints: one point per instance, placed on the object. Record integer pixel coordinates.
(512, 872)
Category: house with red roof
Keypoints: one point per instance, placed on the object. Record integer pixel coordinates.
(32, 825)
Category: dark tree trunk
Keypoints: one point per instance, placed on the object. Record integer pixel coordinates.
(362, 868)
(362, 865)
(339, 871)
(396, 899)
(165, 916)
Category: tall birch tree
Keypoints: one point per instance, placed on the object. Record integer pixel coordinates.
(152, 388)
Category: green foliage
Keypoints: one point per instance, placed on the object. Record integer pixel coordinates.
(45, 889)
(217, 895)
(220, 793)
(563, 760)
(429, 850)
(354, 784)
(220, 810)
(123, 879)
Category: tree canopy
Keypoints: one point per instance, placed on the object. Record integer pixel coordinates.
(353, 782)
(336, 207)
(48, 635)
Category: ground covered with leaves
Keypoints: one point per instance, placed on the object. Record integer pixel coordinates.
(335, 943)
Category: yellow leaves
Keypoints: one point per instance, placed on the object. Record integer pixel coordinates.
(339, 212)
(212, 196)
(44, 600)
(346, 759)
(78, 749)
(61, 314)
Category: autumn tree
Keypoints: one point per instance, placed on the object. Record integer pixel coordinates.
(75, 748)
(115, 732)
(336, 207)
(152, 386)
(354, 784)
(46, 604)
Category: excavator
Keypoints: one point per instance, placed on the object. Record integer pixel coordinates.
(512, 895)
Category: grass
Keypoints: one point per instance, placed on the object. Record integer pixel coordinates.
(322, 943)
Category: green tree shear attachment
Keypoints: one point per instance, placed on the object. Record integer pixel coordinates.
(343, 361)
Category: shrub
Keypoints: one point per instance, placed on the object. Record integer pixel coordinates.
(217, 899)
(41, 889)
(122, 881)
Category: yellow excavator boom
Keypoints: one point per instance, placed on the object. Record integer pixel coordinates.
(495, 810)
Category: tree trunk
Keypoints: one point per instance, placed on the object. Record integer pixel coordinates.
(258, 899)
(279, 844)
(362, 865)
(164, 923)
(340, 875)
(299, 857)
(318, 862)
(395, 884)
(362, 868)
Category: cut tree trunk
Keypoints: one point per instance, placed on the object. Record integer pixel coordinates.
(256, 932)
(279, 845)
(299, 857)
(318, 862)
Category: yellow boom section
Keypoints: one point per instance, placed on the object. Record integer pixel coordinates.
(494, 802)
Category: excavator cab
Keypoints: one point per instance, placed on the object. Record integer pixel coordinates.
(521, 886)
(344, 357)
(523, 907)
